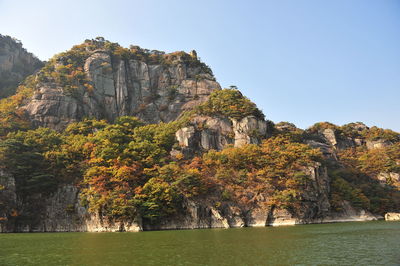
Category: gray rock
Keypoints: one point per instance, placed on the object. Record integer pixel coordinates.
(386, 179)
(327, 150)
(377, 144)
(214, 133)
(16, 64)
(205, 133)
(339, 143)
(249, 130)
(154, 93)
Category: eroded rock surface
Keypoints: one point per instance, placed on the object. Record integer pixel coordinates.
(16, 63)
(206, 133)
(153, 92)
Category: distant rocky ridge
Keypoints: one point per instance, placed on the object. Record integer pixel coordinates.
(158, 87)
(16, 63)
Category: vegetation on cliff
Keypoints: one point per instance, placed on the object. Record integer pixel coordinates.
(12, 118)
(230, 103)
(125, 168)
(356, 130)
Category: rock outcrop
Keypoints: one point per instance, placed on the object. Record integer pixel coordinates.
(392, 216)
(338, 143)
(153, 92)
(378, 144)
(389, 179)
(15, 65)
(206, 133)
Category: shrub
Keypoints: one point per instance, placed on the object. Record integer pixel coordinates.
(230, 103)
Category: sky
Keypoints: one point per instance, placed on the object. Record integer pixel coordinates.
(301, 61)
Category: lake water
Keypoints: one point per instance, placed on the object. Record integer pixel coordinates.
(357, 243)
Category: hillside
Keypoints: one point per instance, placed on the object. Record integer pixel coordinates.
(106, 138)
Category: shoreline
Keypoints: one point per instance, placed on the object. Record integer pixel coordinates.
(287, 224)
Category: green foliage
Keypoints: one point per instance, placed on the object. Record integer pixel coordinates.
(85, 127)
(230, 103)
(40, 140)
(157, 199)
(28, 166)
(343, 190)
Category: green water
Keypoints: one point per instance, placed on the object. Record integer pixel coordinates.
(359, 243)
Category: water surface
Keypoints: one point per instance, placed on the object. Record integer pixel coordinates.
(358, 243)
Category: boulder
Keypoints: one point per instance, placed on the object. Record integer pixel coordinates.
(249, 130)
(392, 216)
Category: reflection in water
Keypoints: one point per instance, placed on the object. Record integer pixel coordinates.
(369, 243)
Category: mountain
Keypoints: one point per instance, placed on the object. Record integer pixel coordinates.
(15, 65)
(106, 138)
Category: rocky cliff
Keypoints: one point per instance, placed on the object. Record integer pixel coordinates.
(151, 85)
(15, 65)
(217, 164)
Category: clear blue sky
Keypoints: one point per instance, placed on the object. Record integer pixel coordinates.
(301, 61)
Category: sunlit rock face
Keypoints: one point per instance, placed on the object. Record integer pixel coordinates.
(215, 132)
(392, 216)
(153, 92)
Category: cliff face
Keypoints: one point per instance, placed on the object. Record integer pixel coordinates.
(59, 212)
(154, 92)
(15, 65)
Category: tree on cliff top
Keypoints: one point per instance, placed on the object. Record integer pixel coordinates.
(230, 103)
